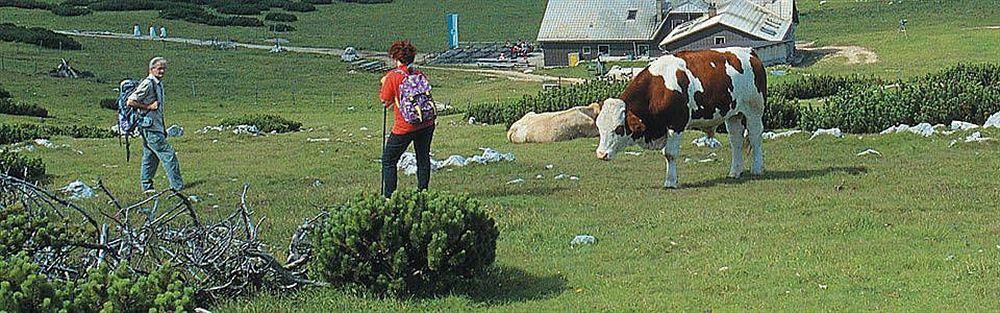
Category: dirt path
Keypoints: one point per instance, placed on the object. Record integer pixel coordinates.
(854, 54)
(513, 75)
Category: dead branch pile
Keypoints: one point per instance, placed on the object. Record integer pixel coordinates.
(221, 258)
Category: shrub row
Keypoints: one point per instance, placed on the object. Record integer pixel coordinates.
(79, 3)
(197, 14)
(25, 4)
(8, 106)
(818, 86)
(264, 122)
(280, 28)
(69, 10)
(413, 244)
(23, 167)
(23, 289)
(367, 1)
(280, 17)
(37, 36)
(4, 94)
(964, 92)
(508, 112)
(14, 133)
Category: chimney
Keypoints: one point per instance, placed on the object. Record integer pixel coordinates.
(660, 8)
(713, 9)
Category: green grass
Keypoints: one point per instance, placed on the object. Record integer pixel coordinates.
(915, 230)
(364, 26)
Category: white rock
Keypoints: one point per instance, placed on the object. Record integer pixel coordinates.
(869, 151)
(78, 190)
(960, 125)
(773, 135)
(472, 120)
(634, 153)
(993, 121)
(706, 141)
(832, 132)
(583, 240)
(539, 176)
(175, 131)
(574, 178)
(516, 181)
(317, 139)
(560, 177)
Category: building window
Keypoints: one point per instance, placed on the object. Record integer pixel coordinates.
(632, 14)
(604, 50)
(720, 40)
(585, 50)
(675, 23)
(643, 50)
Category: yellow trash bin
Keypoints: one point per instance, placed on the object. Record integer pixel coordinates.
(574, 59)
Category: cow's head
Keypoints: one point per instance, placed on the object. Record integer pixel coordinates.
(612, 128)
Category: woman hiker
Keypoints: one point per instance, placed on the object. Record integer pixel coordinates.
(403, 132)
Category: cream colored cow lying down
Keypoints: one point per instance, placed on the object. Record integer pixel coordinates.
(574, 123)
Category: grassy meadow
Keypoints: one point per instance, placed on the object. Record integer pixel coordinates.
(914, 230)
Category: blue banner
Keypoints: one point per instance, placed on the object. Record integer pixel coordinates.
(452, 30)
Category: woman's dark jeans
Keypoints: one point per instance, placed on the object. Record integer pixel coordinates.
(394, 148)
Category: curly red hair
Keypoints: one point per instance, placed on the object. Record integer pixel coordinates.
(403, 51)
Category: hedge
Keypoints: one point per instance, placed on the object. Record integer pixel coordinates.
(37, 36)
(20, 166)
(265, 123)
(14, 133)
(280, 17)
(8, 106)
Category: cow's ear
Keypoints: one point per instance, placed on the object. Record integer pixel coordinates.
(634, 124)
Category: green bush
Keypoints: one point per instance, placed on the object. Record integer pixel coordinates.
(37, 36)
(281, 28)
(416, 243)
(509, 111)
(23, 167)
(69, 10)
(367, 1)
(236, 21)
(109, 103)
(280, 17)
(190, 13)
(964, 92)
(129, 5)
(23, 289)
(818, 86)
(8, 106)
(299, 7)
(13, 133)
(78, 3)
(240, 9)
(4, 94)
(318, 1)
(265, 123)
(781, 113)
(25, 4)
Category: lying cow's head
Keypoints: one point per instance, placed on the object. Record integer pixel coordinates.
(612, 128)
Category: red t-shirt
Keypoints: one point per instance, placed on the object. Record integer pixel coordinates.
(389, 94)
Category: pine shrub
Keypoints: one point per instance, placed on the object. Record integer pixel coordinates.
(23, 167)
(416, 243)
(265, 123)
(280, 17)
(8, 106)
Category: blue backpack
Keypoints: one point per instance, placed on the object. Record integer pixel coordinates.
(128, 117)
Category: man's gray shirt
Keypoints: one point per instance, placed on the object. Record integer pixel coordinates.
(149, 90)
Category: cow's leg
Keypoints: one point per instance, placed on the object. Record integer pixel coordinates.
(755, 129)
(734, 125)
(671, 151)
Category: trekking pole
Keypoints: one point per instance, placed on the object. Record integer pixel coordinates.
(385, 113)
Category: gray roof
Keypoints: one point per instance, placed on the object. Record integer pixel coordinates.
(745, 15)
(689, 6)
(590, 20)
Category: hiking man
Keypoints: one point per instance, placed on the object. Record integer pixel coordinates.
(148, 97)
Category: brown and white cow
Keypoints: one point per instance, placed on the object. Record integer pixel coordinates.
(689, 90)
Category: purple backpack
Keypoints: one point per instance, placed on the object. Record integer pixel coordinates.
(415, 101)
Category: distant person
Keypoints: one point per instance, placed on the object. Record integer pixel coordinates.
(902, 25)
(148, 97)
(163, 32)
(136, 31)
(404, 132)
(152, 32)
